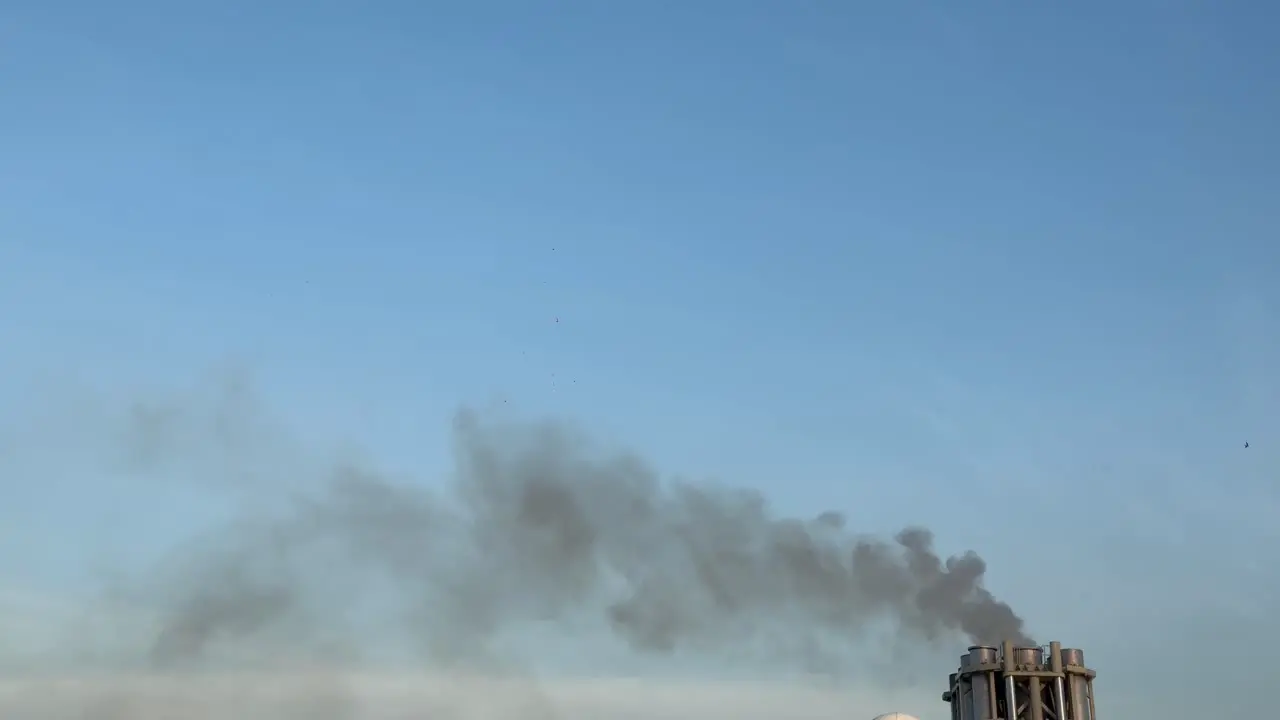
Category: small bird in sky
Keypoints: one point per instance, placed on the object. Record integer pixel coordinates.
(1246, 444)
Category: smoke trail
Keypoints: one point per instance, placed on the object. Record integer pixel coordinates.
(539, 526)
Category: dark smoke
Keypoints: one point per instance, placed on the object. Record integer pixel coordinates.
(539, 527)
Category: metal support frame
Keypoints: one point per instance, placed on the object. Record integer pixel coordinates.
(1022, 683)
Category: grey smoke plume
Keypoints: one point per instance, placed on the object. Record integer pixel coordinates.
(539, 527)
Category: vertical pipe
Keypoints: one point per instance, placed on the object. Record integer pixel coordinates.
(993, 693)
(1089, 689)
(1034, 698)
(1055, 664)
(953, 695)
(967, 709)
(1079, 699)
(980, 696)
(1010, 699)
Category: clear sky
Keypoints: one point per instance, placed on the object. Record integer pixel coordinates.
(1006, 270)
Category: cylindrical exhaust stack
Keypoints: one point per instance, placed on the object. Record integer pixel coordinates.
(1022, 683)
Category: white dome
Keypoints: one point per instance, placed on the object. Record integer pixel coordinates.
(895, 716)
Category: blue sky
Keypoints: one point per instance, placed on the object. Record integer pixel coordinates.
(1004, 271)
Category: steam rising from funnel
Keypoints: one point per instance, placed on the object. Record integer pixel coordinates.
(538, 526)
